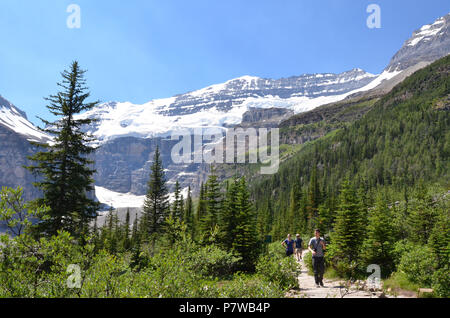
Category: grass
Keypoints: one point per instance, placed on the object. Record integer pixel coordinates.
(331, 274)
(398, 281)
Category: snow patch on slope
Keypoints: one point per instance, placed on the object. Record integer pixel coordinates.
(386, 75)
(14, 120)
(118, 200)
(125, 200)
(426, 32)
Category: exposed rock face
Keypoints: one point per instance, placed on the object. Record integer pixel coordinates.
(14, 150)
(15, 133)
(225, 96)
(428, 44)
(265, 117)
(123, 165)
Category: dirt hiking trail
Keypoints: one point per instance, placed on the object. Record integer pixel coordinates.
(332, 289)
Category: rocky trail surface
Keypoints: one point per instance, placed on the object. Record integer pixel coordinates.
(332, 289)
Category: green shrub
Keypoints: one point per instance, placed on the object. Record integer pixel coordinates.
(211, 261)
(403, 247)
(278, 269)
(399, 280)
(307, 259)
(419, 265)
(246, 286)
(441, 282)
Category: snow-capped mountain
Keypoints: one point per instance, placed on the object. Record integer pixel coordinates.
(13, 118)
(15, 133)
(129, 133)
(429, 43)
(222, 105)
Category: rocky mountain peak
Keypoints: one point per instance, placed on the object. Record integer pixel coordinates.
(16, 120)
(427, 44)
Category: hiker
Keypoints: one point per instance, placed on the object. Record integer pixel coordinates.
(298, 247)
(288, 244)
(317, 246)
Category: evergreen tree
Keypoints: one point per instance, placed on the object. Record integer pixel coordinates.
(230, 214)
(126, 243)
(439, 239)
(213, 205)
(314, 199)
(293, 211)
(269, 217)
(189, 214)
(177, 205)
(422, 217)
(379, 238)
(245, 242)
(201, 206)
(135, 231)
(303, 213)
(348, 230)
(63, 164)
(156, 205)
(111, 233)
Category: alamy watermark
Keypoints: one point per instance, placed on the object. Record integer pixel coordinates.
(374, 19)
(214, 145)
(374, 279)
(74, 19)
(74, 279)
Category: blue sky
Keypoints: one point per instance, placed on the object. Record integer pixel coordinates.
(138, 50)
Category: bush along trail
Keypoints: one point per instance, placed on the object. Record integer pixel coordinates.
(333, 288)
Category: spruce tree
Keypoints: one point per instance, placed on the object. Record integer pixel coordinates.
(126, 244)
(347, 236)
(439, 239)
(201, 206)
(213, 205)
(314, 199)
(380, 238)
(177, 205)
(269, 217)
(189, 214)
(63, 166)
(230, 214)
(294, 209)
(135, 231)
(422, 217)
(156, 205)
(245, 243)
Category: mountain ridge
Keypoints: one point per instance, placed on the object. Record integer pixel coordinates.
(246, 101)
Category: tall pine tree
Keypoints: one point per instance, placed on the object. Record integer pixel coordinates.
(63, 165)
(245, 243)
(347, 236)
(230, 213)
(189, 214)
(380, 238)
(213, 205)
(177, 205)
(156, 205)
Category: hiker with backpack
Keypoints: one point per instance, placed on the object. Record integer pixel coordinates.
(289, 245)
(298, 247)
(317, 247)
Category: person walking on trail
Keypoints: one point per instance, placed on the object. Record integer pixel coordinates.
(289, 245)
(298, 247)
(317, 246)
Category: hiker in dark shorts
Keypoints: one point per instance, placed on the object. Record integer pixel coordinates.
(288, 244)
(317, 246)
(298, 247)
